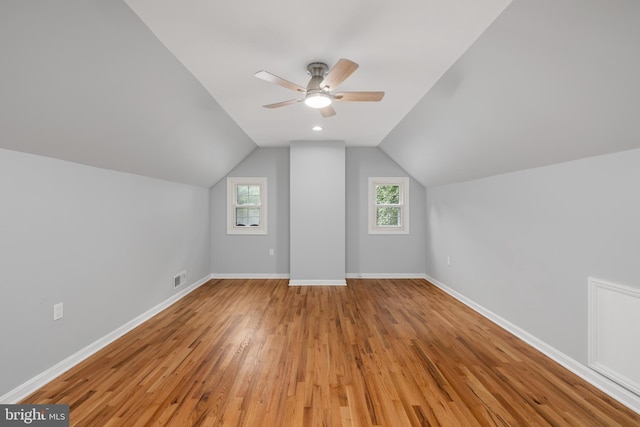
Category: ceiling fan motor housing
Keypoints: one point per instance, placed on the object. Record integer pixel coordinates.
(317, 71)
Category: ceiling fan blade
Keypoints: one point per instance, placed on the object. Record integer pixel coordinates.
(271, 78)
(358, 96)
(339, 73)
(327, 111)
(282, 104)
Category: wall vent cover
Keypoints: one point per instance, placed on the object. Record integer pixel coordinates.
(179, 279)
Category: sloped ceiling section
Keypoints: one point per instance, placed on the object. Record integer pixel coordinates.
(549, 81)
(402, 46)
(86, 81)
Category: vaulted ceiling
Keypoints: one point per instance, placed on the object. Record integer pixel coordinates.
(166, 89)
(550, 81)
(402, 47)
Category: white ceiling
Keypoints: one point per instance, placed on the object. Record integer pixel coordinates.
(166, 90)
(403, 47)
(550, 81)
(87, 82)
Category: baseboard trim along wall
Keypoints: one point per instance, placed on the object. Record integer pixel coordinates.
(385, 275)
(617, 392)
(249, 276)
(60, 368)
(317, 283)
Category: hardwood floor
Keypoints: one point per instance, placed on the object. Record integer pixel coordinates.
(377, 352)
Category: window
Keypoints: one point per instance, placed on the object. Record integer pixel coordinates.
(389, 205)
(246, 205)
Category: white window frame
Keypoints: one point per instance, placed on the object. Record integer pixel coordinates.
(232, 185)
(403, 183)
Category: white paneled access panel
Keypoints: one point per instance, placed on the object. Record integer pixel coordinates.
(614, 332)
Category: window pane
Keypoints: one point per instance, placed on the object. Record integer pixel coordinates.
(247, 217)
(387, 194)
(254, 190)
(242, 190)
(242, 194)
(241, 217)
(248, 195)
(253, 217)
(388, 217)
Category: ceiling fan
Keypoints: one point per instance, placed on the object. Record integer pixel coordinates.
(319, 92)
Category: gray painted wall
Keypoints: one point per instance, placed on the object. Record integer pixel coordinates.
(317, 211)
(370, 254)
(239, 255)
(364, 254)
(523, 244)
(107, 244)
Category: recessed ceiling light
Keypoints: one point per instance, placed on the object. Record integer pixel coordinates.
(317, 128)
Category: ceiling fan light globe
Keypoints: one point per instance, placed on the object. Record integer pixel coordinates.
(317, 100)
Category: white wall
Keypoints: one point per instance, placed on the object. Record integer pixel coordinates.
(317, 214)
(368, 255)
(247, 255)
(523, 244)
(107, 244)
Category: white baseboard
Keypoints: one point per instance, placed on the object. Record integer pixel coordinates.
(60, 368)
(249, 276)
(348, 276)
(317, 282)
(385, 275)
(624, 396)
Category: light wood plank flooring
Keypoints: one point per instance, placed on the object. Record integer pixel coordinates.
(374, 353)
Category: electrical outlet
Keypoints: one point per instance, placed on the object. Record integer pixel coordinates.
(270, 251)
(448, 260)
(57, 311)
